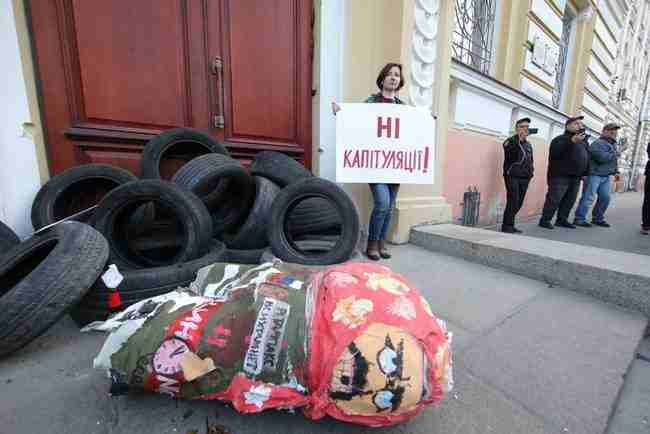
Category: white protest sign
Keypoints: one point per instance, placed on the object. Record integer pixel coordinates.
(384, 143)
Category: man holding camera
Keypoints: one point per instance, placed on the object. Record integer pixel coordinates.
(568, 162)
(517, 171)
(602, 165)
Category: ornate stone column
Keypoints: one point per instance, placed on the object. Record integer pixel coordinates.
(426, 56)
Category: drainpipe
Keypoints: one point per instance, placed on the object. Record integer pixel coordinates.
(644, 107)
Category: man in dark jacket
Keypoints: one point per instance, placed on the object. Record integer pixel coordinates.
(517, 172)
(645, 214)
(603, 163)
(568, 161)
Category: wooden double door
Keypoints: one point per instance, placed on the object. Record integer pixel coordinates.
(112, 74)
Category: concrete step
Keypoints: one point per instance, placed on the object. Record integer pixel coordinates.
(612, 276)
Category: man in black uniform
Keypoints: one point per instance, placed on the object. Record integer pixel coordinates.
(517, 172)
(568, 162)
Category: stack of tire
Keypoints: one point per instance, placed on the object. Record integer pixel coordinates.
(164, 226)
(42, 277)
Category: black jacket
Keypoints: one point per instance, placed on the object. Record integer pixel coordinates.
(647, 165)
(518, 158)
(566, 158)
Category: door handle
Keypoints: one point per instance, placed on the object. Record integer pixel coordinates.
(218, 120)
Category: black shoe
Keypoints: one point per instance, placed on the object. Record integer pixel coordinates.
(517, 231)
(565, 224)
(582, 224)
(508, 230)
(373, 255)
(602, 224)
(546, 225)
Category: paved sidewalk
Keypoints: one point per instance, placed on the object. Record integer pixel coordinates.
(528, 359)
(624, 214)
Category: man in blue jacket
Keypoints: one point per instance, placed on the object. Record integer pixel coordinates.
(602, 165)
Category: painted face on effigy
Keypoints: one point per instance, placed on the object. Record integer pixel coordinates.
(382, 370)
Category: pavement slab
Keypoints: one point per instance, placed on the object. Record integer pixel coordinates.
(52, 388)
(632, 415)
(472, 296)
(517, 345)
(562, 356)
(644, 348)
(473, 409)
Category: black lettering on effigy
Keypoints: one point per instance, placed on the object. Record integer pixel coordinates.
(274, 340)
(252, 360)
(141, 370)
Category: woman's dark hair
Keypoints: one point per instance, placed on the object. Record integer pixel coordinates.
(384, 72)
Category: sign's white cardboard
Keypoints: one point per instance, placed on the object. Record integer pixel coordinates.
(384, 143)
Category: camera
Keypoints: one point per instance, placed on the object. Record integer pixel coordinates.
(584, 131)
(532, 131)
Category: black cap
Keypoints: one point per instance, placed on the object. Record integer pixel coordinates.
(521, 121)
(572, 120)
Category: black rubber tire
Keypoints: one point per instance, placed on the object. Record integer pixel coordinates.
(63, 194)
(159, 236)
(279, 168)
(142, 219)
(314, 216)
(281, 241)
(195, 142)
(252, 234)
(8, 238)
(235, 256)
(153, 246)
(228, 201)
(139, 285)
(114, 211)
(41, 278)
(324, 243)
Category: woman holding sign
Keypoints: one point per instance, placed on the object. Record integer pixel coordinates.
(389, 81)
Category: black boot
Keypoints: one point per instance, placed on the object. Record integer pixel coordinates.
(371, 250)
(383, 252)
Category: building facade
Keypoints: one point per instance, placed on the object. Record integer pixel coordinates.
(567, 58)
(628, 83)
(478, 65)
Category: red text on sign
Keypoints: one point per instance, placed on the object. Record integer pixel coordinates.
(387, 127)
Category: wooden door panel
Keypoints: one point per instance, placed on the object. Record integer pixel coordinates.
(133, 61)
(266, 47)
(124, 156)
(263, 69)
(113, 74)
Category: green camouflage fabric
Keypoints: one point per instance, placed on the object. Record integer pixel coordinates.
(253, 323)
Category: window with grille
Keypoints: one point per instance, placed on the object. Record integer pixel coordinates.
(474, 33)
(565, 41)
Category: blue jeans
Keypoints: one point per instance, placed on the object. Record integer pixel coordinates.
(594, 186)
(384, 196)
